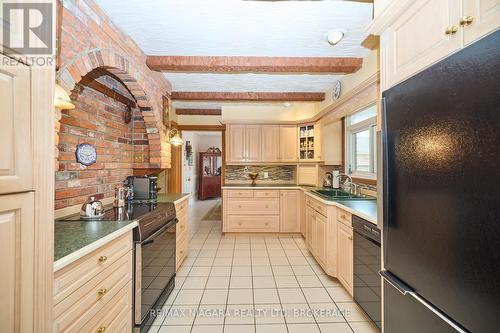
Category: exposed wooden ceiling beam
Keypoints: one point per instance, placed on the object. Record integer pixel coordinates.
(249, 96)
(198, 112)
(219, 64)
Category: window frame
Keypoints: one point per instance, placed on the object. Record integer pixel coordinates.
(369, 124)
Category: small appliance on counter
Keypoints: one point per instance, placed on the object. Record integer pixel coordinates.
(142, 188)
(92, 209)
(335, 178)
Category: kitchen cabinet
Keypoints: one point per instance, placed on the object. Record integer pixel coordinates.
(479, 18)
(307, 174)
(96, 290)
(271, 143)
(253, 143)
(235, 135)
(332, 142)
(416, 34)
(16, 150)
(309, 227)
(288, 143)
(345, 256)
(289, 210)
(181, 232)
(310, 142)
(319, 231)
(17, 258)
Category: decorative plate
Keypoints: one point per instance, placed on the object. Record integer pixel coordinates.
(86, 154)
(336, 90)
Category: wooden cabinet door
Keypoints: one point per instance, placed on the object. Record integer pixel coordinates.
(270, 143)
(236, 143)
(17, 258)
(332, 143)
(417, 38)
(345, 256)
(289, 211)
(319, 236)
(309, 227)
(288, 143)
(485, 18)
(318, 148)
(16, 150)
(253, 135)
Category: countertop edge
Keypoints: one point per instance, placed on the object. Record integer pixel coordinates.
(184, 197)
(263, 187)
(341, 206)
(72, 257)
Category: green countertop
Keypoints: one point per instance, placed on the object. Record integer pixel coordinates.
(71, 236)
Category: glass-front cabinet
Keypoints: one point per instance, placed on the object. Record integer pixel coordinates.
(309, 142)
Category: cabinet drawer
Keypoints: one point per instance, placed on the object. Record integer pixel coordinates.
(242, 223)
(181, 227)
(266, 194)
(78, 308)
(316, 205)
(116, 316)
(181, 207)
(269, 206)
(240, 193)
(73, 276)
(344, 217)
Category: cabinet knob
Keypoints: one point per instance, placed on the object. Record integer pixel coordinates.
(466, 20)
(266, 224)
(350, 237)
(102, 259)
(342, 216)
(239, 206)
(267, 206)
(451, 30)
(239, 223)
(102, 291)
(101, 329)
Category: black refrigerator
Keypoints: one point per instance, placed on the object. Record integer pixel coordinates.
(441, 195)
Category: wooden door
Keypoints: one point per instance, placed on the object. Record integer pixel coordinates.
(235, 135)
(17, 230)
(345, 256)
(485, 15)
(288, 143)
(318, 148)
(16, 149)
(253, 136)
(290, 211)
(319, 234)
(331, 141)
(270, 143)
(417, 39)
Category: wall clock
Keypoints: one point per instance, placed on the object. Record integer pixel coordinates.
(86, 154)
(336, 90)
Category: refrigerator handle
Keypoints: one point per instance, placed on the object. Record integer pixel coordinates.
(404, 289)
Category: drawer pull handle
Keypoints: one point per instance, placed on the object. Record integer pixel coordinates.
(350, 237)
(101, 329)
(102, 259)
(466, 20)
(342, 217)
(102, 291)
(451, 30)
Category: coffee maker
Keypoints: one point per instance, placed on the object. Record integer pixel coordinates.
(142, 188)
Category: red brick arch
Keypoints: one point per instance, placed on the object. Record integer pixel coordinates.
(71, 73)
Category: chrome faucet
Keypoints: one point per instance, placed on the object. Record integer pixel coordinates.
(342, 184)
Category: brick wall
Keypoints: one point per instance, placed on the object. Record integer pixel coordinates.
(99, 120)
(90, 40)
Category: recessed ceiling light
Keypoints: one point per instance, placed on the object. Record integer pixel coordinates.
(287, 104)
(333, 37)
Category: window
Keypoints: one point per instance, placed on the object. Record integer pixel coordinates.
(361, 145)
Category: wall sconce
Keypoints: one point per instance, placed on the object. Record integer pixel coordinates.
(174, 138)
(62, 100)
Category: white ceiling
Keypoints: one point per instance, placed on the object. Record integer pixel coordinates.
(245, 28)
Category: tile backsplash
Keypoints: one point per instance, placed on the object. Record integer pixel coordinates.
(276, 173)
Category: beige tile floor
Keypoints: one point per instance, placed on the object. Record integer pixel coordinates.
(254, 284)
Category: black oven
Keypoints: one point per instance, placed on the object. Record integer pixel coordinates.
(367, 264)
(154, 277)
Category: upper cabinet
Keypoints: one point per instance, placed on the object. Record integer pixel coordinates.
(332, 142)
(261, 143)
(16, 150)
(288, 143)
(416, 34)
(310, 142)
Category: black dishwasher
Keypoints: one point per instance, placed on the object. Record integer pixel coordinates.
(367, 264)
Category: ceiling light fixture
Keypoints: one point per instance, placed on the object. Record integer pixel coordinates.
(333, 37)
(174, 138)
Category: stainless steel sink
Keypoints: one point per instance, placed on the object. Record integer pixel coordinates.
(333, 194)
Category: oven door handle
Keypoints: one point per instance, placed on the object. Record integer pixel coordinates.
(146, 242)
